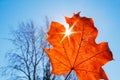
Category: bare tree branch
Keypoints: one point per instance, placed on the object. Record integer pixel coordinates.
(28, 54)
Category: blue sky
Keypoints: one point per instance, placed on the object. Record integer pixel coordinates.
(105, 13)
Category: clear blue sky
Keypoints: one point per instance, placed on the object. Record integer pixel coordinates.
(105, 13)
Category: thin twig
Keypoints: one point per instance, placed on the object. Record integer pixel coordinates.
(68, 75)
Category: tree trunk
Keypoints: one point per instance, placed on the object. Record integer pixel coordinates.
(34, 73)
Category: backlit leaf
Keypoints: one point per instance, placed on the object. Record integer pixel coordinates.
(77, 50)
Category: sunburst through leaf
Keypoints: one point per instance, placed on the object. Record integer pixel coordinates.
(68, 31)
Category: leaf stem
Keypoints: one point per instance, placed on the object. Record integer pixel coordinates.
(68, 75)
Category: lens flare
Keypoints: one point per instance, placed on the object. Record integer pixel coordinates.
(68, 32)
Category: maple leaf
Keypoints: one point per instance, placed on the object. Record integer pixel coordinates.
(74, 48)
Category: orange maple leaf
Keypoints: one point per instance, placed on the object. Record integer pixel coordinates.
(75, 49)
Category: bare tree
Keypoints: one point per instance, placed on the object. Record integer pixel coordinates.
(25, 62)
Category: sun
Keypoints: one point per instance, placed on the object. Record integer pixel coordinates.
(68, 31)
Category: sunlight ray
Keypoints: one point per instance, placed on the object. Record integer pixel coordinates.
(68, 32)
